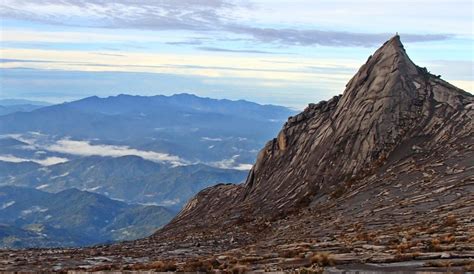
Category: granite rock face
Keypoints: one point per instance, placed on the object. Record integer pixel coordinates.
(380, 174)
(388, 107)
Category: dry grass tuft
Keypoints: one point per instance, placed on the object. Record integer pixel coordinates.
(434, 245)
(444, 264)
(322, 259)
(156, 266)
(311, 270)
(469, 267)
(238, 269)
(364, 236)
(198, 266)
(448, 239)
(291, 253)
(402, 248)
(451, 220)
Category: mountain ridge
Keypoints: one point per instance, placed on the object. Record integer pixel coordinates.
(34, 218)
(196, 130)
(129, 178)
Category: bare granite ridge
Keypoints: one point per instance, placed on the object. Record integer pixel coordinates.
(389, 104)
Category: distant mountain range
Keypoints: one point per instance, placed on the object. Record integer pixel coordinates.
(219, 132)
(63, 167)
(128, 178)
(33, 218)
(15, 102)
(8, 106)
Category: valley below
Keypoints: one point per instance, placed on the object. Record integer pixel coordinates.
(102, 170)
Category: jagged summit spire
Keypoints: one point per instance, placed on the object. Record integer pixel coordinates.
(395, 37)
(389, 61)
(393, 44)
(395, 41)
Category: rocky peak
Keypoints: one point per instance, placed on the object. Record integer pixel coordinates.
(389, 105)
(387, 108)
(332, 141)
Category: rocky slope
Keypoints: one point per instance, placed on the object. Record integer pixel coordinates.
(381, 174)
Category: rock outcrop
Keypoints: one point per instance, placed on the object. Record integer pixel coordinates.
(388, 107)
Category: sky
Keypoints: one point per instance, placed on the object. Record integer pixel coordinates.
(280, 52)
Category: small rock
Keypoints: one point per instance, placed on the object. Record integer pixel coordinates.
(222, 258)
(445, 255)
(374, 247)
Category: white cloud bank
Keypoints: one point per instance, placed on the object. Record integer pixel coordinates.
(211, 139)
(84, 148)
(231, 164)
(45, 162)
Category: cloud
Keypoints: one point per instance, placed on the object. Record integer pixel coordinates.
(5, 205)
(84, 148)
(50, 85)
(33, 209)
(187, 42)
(327, 38)
(465, 85)
(211, 139)
(6, 60)
(110, 54)
(231, 163)
(169, 202)
(139, 14)
(22, 35)
(38, 141)
(452, 69)
(202, 16)
(236, 51)
(45, 162)
(182, 64)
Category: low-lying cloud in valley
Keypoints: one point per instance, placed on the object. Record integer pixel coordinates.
(84, 148)
(42, 143)
(231, 163)
(45, 162)
(49, 151)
